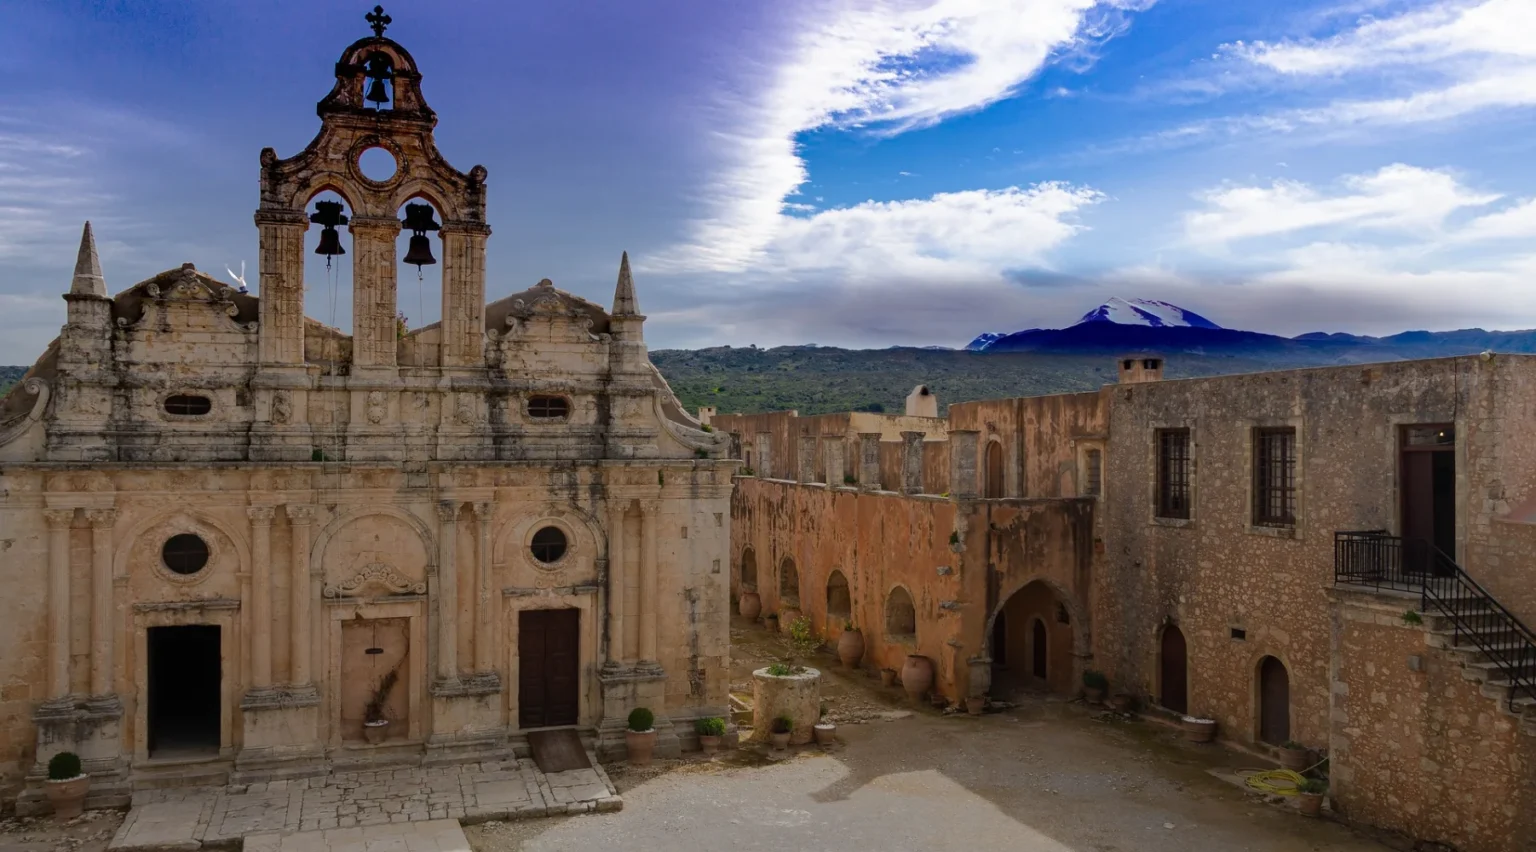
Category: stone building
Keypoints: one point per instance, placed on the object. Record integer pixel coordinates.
(227, 529)
(1342, 557)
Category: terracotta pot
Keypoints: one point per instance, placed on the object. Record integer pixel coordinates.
(826, 733)
(1122, 703)
(1199, 730)
(976, 705)
(787, 617)
(640, 745)
(1295, 759)
(68, 796)
(779, 740)
(709, 744)
(887, 677)
(1310, 804)
(1093, 694)
(376, 732)
(917, 676)
(850, 648)
(750, 605)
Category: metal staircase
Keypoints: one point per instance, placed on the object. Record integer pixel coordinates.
(1496, 647)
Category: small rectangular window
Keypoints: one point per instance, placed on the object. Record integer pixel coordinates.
(548, 407)
(1094, 460)
(1239, 634)
(1274, 477)
(1173, 473)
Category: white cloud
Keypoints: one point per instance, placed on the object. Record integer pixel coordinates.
(1397, 198)
(882, 65)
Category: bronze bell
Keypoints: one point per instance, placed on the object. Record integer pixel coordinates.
(377, 93)
(420, 252)
(330, 242)
(328, 213)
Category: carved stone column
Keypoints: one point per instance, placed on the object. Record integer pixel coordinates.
(808, 458)
(912, 462)
(650, 527)
(483, 578)
(617, 581)
(447, 592)
(59, 522)
(260, 640)
(869, 460)
(963, 446)
(836, 467)
(281, 235)
(103, 620)
(463, 325)
(374, 341)
(300, 519)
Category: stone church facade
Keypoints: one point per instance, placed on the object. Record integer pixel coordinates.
(227, 529)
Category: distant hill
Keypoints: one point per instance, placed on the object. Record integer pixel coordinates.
(10, 376)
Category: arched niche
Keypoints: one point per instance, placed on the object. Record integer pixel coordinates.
(900, 616)
(839, 598)
(376, 552)
(516, 563)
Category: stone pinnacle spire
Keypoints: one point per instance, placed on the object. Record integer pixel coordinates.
(624, 304)
(88, 279)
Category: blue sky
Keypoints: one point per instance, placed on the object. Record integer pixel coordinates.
(860, 173)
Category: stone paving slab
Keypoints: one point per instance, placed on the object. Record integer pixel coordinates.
(187, 819)
(438, 835)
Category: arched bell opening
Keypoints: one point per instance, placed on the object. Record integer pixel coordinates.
(329, 252)
(419, 297)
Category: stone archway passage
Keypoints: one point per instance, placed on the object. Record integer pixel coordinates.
(1173, 674)
(1036, 645)
(1274, 701)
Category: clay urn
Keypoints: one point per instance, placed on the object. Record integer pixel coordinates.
(1310, 804)
(850, 647)
(917, 676)
(750, 605)
(887, 677)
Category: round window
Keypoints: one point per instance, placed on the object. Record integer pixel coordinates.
(548, 545)
(185, 553)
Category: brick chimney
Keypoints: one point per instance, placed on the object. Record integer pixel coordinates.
(1141, 368)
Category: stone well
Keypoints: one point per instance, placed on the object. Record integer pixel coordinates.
(797, 694)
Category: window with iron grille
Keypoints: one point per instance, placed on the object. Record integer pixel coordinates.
(1274, 477)
(548, 407)
(1095, 478)
(1173, 473)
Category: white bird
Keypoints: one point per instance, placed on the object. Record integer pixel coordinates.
(239, 279)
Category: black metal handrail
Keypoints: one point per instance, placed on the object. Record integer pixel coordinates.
(1373, 558)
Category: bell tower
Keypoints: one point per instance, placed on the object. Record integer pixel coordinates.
(376, 103)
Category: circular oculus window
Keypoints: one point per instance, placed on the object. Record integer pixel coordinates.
(548, 545)
(185, 554)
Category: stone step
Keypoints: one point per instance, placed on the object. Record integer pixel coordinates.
(1487, 671)
(176, 774)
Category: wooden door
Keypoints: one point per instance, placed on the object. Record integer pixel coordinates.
(1174, 686)
(371, 648)
(549, 682)
(994, 470)
(1039, 653)
(1274, 702)
(1427, 473)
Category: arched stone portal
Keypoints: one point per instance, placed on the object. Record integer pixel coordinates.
(1041, 647)
(995, 487)
(1274, 701)
(1173, 671)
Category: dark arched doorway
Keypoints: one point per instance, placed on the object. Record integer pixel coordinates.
(789, 583)
(748, 570)
(1173, 676)
(994, 470)
(1274, 701)
(1000, 641)
(839, 601)
(1039, 650)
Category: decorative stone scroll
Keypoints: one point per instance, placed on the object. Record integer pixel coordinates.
(378, 574)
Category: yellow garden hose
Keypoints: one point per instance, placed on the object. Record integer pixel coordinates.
(1278, 782)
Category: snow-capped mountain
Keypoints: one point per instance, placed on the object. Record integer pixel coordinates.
(1145, 312)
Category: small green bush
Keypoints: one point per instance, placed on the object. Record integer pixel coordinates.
(745, 470)
(780, 670)
(850, 627)
(1293, 745)
(712, 726)
(822, 714)
(850, 479)
(64, 766)
(1095, 679)
(1411, 617)
(706, 427)
(783, 724)
(954, 537)
(1312, 785)
(641, 719)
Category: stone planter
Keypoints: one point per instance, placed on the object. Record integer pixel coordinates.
(887, 677)
(1198, 730)
(1310, 804)
(917, 676)
(778, 741)
(850, 648)
(1295, 759)
(640, 745)
(376, 732)
(68, 796)
(797, 695)
(750, 605)
(709, 744)
(826, 733)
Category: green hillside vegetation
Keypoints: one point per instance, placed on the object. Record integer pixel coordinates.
(820, 380)
(10, 376)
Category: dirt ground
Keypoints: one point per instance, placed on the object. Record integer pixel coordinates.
(90, 832)
(1046, 774)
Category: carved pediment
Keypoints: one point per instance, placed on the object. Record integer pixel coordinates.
(376, 575)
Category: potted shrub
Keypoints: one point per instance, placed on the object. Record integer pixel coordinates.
(1095, 684)
(825, 732)
(779, 731)
(850, 645)
(375, 726)
(1295, 756)
(1309, 796)
(710, 731)
(1198, 729)
(640, 738)
(67, 785)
